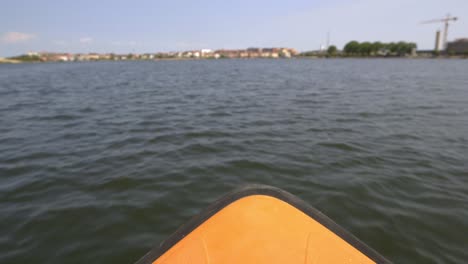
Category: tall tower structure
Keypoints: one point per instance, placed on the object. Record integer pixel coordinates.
(437, 41)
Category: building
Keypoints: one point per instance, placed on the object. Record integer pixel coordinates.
(254, 50)
(206, 53)
(254, 54)
(459, 46)
(243, 54)
(228, 53)
(92, 56)
(437, 41)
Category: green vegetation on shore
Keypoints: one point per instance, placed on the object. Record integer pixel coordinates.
(26, 58)
(332, 50)
(354, 48)
(366, 49)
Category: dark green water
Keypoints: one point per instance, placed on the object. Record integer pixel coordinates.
(101, 161)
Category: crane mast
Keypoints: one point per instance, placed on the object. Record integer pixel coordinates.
(446, 22)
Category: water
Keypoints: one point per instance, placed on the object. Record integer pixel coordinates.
(101, 161)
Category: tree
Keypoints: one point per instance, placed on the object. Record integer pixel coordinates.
(376, 47)
(412, 46)
(404, 48)
(371, 49)
(365, 48)
(401, 48)
(392, 46)
(332, 50)
(308, 54)
(351, 47)
(27, 58)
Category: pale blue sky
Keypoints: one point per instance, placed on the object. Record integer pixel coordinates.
(151, 25)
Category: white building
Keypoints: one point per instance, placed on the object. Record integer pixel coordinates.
(206, 52)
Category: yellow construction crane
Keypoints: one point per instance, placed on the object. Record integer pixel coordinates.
(446, 24)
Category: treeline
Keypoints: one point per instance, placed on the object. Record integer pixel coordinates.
(378, 48)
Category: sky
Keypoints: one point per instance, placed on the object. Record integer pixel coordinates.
(140, 26)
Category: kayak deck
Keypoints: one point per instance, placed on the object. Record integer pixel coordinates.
(261, 224)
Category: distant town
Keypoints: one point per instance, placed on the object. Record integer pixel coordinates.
(457, 48)
(190, 54)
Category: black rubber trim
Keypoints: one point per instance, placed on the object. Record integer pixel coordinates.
(249, 190)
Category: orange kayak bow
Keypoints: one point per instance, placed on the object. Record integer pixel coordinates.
(261, 224)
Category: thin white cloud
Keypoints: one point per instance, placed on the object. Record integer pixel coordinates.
(86, 40)
(16, 37)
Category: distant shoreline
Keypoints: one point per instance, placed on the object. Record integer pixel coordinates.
(393, 57)
(11, 61)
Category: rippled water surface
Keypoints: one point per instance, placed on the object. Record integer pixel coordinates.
(101, 161)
